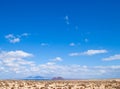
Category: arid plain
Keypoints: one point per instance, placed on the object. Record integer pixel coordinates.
(60, 84)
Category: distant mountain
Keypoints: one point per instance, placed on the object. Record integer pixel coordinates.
(57, 78)
(36, 78)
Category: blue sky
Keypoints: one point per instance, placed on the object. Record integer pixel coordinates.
(60, 38)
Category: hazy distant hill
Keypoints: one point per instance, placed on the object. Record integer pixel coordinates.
(36, 78)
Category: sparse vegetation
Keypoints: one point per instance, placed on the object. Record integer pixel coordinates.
(60, 84)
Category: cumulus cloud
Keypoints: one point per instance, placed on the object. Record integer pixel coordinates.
(14, 61)
(14, 54)
(16, 64)
(114, 57)
(89, 52)
(15, 38)
(12, 38)
(78, 71)
(57, 59)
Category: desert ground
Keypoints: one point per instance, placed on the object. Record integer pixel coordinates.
(60, 84)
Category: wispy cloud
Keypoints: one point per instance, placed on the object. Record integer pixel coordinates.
(93, 52)
(89, 52)
(25, 34)
(76, 27)
(72, 44)
(111, 58)
(67, 20)
(74, 54)
(86, 40)
(15, 38)
(44, 44)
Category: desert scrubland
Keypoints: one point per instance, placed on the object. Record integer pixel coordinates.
(60, 84)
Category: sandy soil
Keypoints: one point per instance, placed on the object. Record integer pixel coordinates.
(60, 84)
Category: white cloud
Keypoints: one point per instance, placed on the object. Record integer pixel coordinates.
(66, 17)
(93, 52)
(15, 65)
(72, 44)
(14, 61)
(25, 34)
(67, 20)
(9, 36)
(44, 44)
(78, 71)
(57, 59)
(114, 57)
(74, 54)
(14, 54)
(12, 38)
(107, 67)
(15, 38)
(89, 52)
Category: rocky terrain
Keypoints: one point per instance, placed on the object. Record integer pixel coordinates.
(60, 84)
